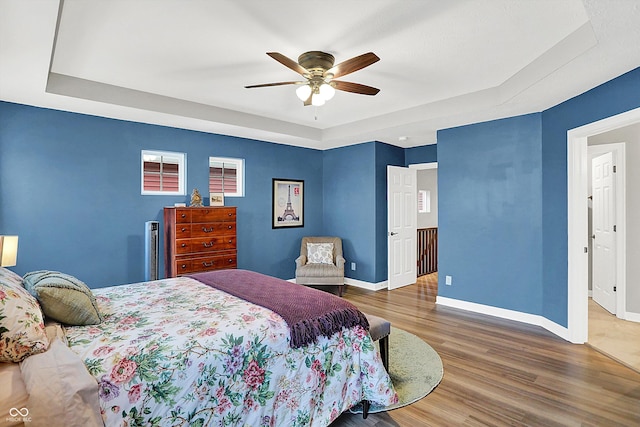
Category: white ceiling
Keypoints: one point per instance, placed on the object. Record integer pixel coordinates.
(185, 63)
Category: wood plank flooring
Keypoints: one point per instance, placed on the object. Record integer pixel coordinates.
(499, 372)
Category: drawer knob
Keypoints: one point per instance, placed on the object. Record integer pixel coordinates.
(230, 214)
(230, 240)
(183, 266)
(184, 245)
(230, 227)
(230, 260)
(184, 215)
(183, 229)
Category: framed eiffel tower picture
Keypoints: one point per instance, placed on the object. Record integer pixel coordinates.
(288, 203)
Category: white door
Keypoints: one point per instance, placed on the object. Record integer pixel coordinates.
(402, 226)
(604, 239)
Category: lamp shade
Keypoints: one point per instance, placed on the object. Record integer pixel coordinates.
(327, 91)
(8, 251)
(303, 92)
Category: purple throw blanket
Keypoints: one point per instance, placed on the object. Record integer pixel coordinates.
(309, 313)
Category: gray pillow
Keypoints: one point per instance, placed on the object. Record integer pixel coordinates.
(63, 297)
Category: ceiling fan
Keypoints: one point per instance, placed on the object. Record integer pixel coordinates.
(320, 74)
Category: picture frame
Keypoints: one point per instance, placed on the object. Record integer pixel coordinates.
(287, 203)
(216, 199)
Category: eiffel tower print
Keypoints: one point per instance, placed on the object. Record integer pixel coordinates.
(289, 214)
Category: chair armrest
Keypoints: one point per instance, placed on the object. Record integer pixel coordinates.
(300, 261)
(340, 262)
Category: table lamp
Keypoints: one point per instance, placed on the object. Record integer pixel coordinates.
(8, 251)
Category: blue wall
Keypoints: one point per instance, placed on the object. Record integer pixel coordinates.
(70, 188)
(355, 201)
(489, 213)
(349, 200)
(422, 154)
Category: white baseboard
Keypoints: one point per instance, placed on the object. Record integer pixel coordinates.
(531, 319)
(366, 285)
(632, 317)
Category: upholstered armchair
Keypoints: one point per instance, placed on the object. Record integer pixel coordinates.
(320, 262)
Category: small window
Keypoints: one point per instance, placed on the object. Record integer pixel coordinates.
(424, 201)
(226, 176)
(163, 173)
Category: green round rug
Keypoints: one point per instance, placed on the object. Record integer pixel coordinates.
(415, 369)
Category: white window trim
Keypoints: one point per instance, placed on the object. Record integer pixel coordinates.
(239, 177)
(182, 173)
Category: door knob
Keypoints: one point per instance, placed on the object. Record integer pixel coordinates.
(392, 234)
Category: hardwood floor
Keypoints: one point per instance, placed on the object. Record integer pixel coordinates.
(499, 372)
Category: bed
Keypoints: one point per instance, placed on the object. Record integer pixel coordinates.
(181, 352)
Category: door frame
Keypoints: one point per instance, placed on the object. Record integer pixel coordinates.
(577, 226)
(620, 182)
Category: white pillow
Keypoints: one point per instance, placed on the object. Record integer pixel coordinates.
(320, 253)
(60, 387)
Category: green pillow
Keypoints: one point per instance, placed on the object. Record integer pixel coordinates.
(63, 297)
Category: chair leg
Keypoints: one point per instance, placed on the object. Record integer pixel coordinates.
(340, 288)
(384, 352)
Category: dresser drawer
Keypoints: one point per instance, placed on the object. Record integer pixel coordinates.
(183, 215)
(185, 231)
(213, 215)
(205, 244)
(214, 262)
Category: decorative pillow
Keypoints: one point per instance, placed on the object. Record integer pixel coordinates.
(21, 322)
(63, 297)
(320, 253)
(60, 387)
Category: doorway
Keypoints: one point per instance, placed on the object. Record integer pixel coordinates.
(578, 269)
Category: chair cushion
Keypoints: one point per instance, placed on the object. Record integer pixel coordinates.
(319, 274)
(320, 253)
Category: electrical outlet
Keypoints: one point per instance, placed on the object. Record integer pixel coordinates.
(353, 266)
(447, 280)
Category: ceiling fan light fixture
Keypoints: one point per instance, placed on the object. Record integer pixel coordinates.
(327, 91)
(303, 92)
(317, 99)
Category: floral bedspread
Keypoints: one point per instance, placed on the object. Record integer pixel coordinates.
(176, 352)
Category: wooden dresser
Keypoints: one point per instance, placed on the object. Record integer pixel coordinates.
(199, 239)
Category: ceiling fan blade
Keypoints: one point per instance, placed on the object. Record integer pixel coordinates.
(274, 84)
(353, 64)
(354, 87)
(290, 63)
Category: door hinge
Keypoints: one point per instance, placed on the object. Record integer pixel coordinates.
(615, 289)
(614, 228)
(614, 169)
(586, 250)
